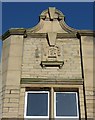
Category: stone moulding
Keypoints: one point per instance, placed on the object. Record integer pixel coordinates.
(66, 27)
(66, 35)
(52, 81)
(35, 28)
(16, 31)
(52, 64)
(22, 31)
(44, 35)
(86, 33)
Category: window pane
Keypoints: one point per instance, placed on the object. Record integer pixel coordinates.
(37, 104)
(66, 104)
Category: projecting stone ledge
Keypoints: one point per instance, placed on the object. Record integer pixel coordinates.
(74, 81)
(22, 31)
(52, 64)
(13, 31)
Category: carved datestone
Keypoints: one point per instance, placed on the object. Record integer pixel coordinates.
(52, 56)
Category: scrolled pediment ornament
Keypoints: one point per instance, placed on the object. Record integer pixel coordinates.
(51, 14)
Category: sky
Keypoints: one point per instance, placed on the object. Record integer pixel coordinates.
(47, 0)
(78, 15)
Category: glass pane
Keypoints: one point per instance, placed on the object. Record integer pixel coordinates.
(37, 104)
(66, 104)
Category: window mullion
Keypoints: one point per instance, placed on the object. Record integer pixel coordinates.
(52, 103)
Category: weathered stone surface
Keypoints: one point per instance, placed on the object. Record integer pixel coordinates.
(87, 56)
(51, 55)
(11, 61)
(68, 51)
(0, 91)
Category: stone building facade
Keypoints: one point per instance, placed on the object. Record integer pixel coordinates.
(47, 71)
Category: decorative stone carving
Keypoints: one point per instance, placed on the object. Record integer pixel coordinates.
(51, 12)
(52, 56)
(52, 38)
(52, 52)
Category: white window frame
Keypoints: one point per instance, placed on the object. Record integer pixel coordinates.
(26, 94)
(63, 108)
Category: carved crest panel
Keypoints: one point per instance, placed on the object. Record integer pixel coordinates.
(52, 55)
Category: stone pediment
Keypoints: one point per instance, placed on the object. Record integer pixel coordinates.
(52, 20)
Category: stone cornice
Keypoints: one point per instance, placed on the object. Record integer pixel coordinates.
(66, 35)
(86, 33)
(44, 35)
(52, 81)
(36, 35)
(17, 31)
(22, 31)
